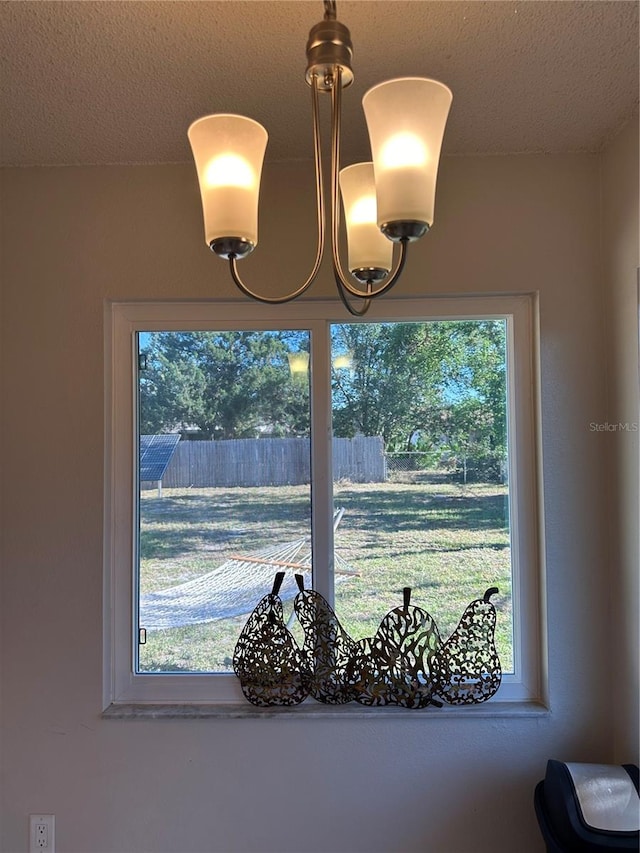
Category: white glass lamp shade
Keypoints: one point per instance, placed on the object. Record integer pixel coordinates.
(368, 248)
(228, 151)
(406, 119)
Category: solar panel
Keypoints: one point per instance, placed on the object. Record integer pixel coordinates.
(155, 454)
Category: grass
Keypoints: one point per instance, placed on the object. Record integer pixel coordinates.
(447, 541)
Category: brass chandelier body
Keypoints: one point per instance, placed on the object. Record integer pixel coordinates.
(329, 70)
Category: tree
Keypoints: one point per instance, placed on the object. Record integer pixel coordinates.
(224, 384)
(474, 421)
(390, 385)
(484, 354)
(401, 373)
(468, 428)
(435, 386)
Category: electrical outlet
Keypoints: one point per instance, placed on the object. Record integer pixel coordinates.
(42, 833)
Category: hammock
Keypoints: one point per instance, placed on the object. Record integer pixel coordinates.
(235, 587)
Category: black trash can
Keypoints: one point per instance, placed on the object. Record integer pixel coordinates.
(588, 807)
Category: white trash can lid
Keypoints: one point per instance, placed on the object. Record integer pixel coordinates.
(607, 797)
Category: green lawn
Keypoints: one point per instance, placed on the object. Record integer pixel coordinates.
(447, 541)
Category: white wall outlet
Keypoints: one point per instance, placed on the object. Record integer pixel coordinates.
(42, 833)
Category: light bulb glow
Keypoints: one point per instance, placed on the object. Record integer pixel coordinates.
(298, 363)
(343, 362)
(402, 151)
(363, 210)
(229, 170)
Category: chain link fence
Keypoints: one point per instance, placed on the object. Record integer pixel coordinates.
(403, 463)
(410, 466)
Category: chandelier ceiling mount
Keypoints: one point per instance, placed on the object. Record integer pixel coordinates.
(329, 46)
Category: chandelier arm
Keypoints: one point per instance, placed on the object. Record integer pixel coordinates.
(320, 217)
(343, 281)
(366, 303)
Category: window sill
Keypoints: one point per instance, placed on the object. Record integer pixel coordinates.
(316, 710)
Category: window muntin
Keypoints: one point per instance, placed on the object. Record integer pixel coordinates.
(123, 684)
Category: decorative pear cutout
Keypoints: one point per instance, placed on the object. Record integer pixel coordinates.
(396, 666)
(266, 659)
(327, 647)
(471, 668)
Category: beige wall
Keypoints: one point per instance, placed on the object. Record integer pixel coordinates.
(620, 229)
(73, 237)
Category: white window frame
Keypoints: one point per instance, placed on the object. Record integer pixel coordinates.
(123, 320)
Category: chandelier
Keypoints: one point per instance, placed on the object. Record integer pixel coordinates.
(389, 200)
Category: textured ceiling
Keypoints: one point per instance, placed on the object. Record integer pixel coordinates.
(119, 82)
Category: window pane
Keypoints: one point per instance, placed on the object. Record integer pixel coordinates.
(427, 506)
(224, 487)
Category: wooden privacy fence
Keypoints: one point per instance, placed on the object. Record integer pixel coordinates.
(270, 462)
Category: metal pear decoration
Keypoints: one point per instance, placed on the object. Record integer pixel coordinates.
(471, 670)
(394, 667)
(328, 648)
(405, 663)
(267, 659)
